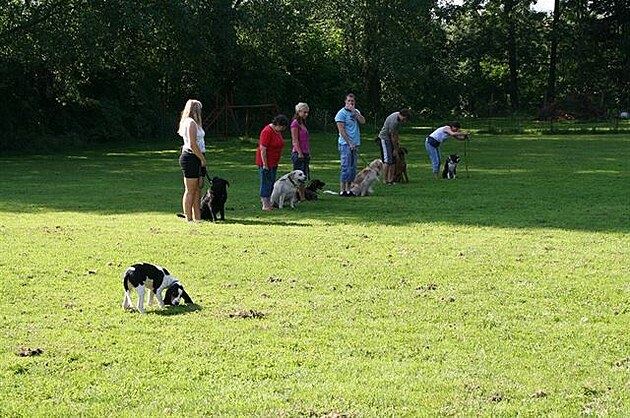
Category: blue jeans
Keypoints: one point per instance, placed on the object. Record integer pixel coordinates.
(267, 178)
(434, 156)
(348, 163)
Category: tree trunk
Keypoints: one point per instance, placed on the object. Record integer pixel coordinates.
(553, 55)
(512, 53)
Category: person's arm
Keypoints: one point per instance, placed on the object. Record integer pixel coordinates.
(341, 127)
(461, 135)
(263, 156)
(192, 134)
(295, 140)
(393, 136)
(359, 117)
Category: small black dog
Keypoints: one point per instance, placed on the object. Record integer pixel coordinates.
(310, 192)
(213, 202)
(450, 167)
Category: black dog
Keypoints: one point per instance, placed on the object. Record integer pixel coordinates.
(213, 202)
(450, 167)
(310, 192)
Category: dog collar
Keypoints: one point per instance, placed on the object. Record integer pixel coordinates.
(292, 182)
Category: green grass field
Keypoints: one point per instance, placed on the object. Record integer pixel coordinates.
(502, 293)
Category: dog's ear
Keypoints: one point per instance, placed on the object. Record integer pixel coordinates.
(187, 298)
(168, 296)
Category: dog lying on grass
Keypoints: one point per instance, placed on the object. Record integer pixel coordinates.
(310, 192)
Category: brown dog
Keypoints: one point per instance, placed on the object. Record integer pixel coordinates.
(400, 165)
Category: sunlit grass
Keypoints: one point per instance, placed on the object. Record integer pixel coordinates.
(502, 293)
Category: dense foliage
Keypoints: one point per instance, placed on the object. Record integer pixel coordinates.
(98, 70)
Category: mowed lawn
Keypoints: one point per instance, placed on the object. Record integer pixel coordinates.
(504, 292)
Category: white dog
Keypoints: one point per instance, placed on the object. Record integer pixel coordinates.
(285, 188)
(362, 184)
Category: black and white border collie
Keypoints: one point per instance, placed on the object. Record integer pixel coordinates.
(154, 279)
(450, 167)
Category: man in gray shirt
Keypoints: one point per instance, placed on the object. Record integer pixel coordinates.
(389, 141)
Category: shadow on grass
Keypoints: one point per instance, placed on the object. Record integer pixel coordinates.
(513, 181)
(177, 310)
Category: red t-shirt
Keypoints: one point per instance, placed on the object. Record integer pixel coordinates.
(274, 142)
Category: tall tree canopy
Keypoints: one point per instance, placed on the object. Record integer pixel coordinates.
(110, 69)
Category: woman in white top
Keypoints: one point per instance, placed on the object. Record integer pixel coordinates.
(192, 159)
(432, 143)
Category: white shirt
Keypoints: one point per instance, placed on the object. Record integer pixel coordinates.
(184, 126)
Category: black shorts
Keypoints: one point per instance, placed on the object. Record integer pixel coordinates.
(190, 164)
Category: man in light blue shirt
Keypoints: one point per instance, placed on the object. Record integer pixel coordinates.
(348, 120)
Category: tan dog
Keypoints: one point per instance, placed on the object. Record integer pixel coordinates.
(286, 187)
(362, 184)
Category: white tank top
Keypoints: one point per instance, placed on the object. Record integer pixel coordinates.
(440, 134)
(184, 126)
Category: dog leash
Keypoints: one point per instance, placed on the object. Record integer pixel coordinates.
(363, 159)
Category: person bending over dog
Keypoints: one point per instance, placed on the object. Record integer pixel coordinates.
(389, 141)
(432, 143)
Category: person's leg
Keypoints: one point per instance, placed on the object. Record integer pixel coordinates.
(344, 156)
(191, 187)
(267, 178)
(351, 170)
(307, 171)
(196, 204)
(434, 156)
(388, 158)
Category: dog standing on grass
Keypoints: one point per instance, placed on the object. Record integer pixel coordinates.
(400, 165)
(155, 279)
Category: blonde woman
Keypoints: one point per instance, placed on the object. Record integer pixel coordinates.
(301, 152)
(192, 160)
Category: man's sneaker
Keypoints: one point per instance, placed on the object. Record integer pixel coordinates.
(343, 193)
(350, 194)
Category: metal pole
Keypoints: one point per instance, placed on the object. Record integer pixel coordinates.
(466, 156)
